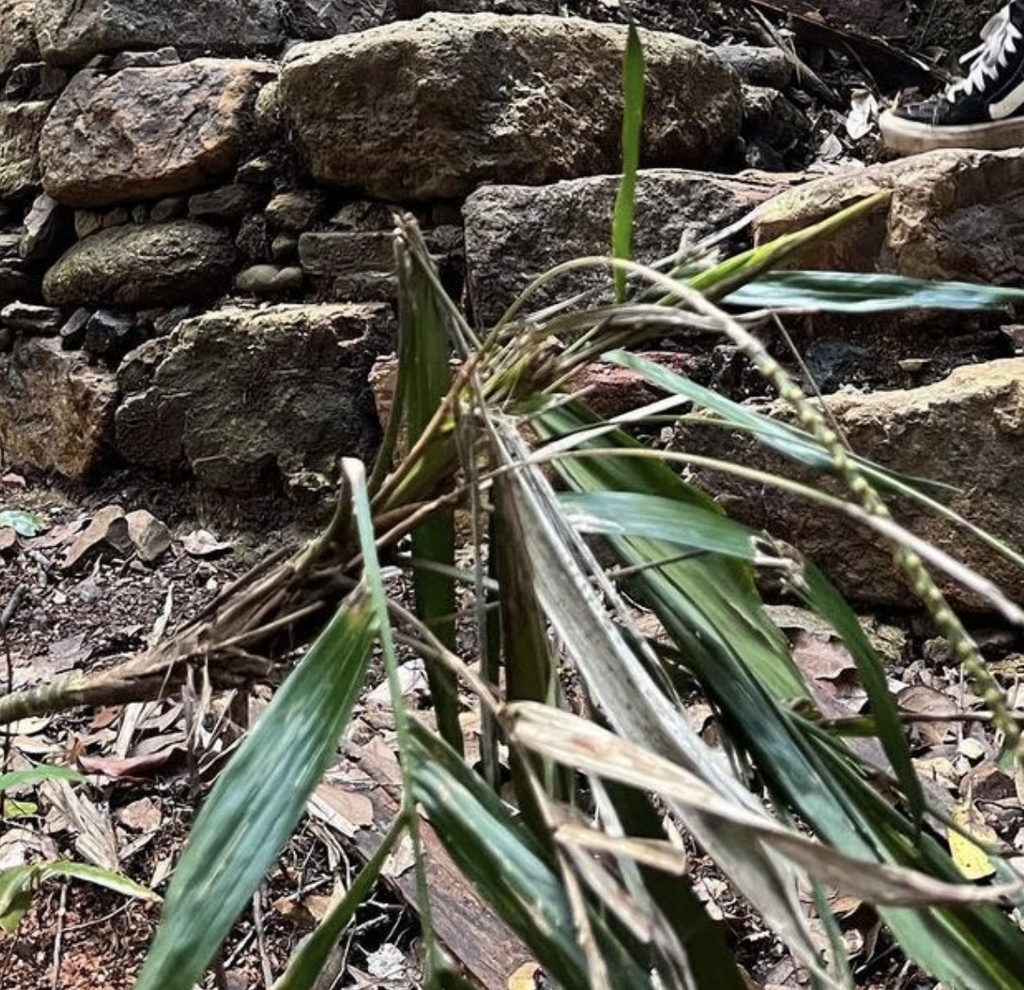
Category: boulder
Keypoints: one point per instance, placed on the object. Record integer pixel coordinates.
(110, 139)
(270, 281)
(17, 34)
(45, 225)
(537, 99)
(20, 125)
(327, 253)
(325, 18)
(71, 32)
(294, 211)
(514, 233)
(159, 264)
(249, 399)
(31, 320)
(35, 81)
(953, 215)
(966, 431)
(56, 412)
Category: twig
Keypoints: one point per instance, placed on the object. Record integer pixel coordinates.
(8, 734)
(240, 947)
(805, 75)
(93, 922)
(58, 938)
(12, 606)
(914, 718)
(8, 955)
(261, 942)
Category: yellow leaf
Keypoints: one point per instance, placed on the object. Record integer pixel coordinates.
(524, 978)
(972, 861)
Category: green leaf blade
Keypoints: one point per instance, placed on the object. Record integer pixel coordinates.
(258, 800)
(867, 292)
(632, 126)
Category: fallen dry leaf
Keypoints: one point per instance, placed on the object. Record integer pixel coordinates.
(202, 543)
(144, 815)
(971, 860)
(95, 534)
(921, 700)
(130, 767)
(91, 826)
(344, 810)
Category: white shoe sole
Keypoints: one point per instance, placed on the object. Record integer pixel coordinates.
(908, 137)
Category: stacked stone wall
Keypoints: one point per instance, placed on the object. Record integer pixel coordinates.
(185, 182)
(196, 203)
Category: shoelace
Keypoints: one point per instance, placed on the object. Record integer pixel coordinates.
(998, 36)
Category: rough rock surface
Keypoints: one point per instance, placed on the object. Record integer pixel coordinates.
(458, 101)
(158, 264)
(20, 124)
(514, 233)
(72, 31)
(17, 34)
(953, 214)
(56, 412)
(326, 18)
(111, 140)
(966, 431)
(251, 400)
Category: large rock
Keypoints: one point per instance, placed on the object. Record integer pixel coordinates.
(325, 18)
(966, 431)
(56, 412)
(953, 214)
(72, 31)
(160, 264)
(432, 108)
(17, 34)
(20, 124)
(143, 133)
(514, 233)
(255, 400)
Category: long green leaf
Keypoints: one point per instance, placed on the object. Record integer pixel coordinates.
(867, 292)
(258, 800)
(505, 864)
(37, 775)
(531, 667)
(613, 513)
(311, 956)
(727, 276)
(18, 883)
(825, 783)
(425, 355)
(632, 124)
(659, 518)
(793, 443)
(823, 598)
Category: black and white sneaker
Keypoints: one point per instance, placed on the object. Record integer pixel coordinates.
(983, 110)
